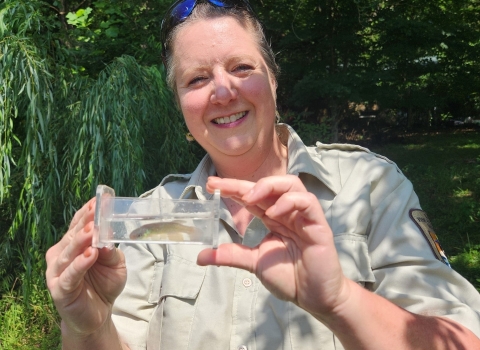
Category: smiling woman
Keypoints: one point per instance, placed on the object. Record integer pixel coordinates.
(314, 240)
(227, 97)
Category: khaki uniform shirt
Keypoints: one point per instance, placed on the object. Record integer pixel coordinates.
(169, 302)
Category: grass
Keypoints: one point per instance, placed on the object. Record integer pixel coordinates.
(32, 326)
(444, 168)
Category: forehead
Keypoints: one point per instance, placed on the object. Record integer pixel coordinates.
(207, 39)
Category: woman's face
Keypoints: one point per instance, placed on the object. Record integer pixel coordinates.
(225, 90)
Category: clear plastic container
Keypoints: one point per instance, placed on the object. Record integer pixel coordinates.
(154, 220)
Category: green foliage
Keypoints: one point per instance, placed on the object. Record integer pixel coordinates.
(99, 31)
(26, 327)
(122, 117)
(309, 133)
(412, 56)
(26, 115)
(320, 54)
(63, 133)
(80, 18)
(467, 264)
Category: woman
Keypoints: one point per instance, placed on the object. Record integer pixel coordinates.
(334, 258)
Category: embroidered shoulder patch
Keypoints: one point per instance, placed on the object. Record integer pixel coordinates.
(420, 219)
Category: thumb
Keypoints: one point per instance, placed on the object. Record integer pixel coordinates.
(111, 257)
(230, 254)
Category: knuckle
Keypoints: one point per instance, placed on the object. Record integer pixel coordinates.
(311, 197)
(49, 256)
(51, 285)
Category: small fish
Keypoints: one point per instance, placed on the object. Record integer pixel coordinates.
(163, 231)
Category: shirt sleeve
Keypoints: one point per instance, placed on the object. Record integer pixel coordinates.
(407, 272)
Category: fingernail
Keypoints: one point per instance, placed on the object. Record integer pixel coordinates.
(88, 252)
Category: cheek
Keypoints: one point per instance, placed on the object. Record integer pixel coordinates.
(192, 105)
(259, 89)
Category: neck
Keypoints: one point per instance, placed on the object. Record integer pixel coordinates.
(256, 164)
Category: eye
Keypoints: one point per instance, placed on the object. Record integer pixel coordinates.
(196, 80)
(242, 68)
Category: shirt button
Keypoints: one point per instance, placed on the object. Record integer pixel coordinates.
(247, 282)
(243, 347)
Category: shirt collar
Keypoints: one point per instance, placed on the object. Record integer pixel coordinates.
(301, 159)
(196, 187)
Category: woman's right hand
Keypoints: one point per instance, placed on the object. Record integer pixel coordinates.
(84, 281)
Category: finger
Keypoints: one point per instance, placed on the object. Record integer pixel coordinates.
(273, 186)
(302, 214)
(256, 211)
(80, 213)
(76, 246)
(305, 203)
(68, 282)
(230, 254)
(229, 187)
(236, 199)
(111, 257)
(81, 217)
(264, 193)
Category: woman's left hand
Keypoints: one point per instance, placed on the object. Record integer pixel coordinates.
(297, 261)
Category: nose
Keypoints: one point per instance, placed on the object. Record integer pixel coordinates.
(224, 90)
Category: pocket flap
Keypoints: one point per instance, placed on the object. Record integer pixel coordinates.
(182, 278)
(353, 254)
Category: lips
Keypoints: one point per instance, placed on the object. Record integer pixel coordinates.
(230, 119)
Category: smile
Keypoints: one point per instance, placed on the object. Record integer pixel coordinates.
(230, 119)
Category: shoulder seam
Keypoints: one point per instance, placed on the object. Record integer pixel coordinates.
(352, 148)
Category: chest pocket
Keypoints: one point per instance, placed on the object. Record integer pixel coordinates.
(354, 258)
(181, 278)
(179, 286)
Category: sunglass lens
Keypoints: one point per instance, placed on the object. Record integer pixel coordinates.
(220, 3)
(183, 10)
(230, 3)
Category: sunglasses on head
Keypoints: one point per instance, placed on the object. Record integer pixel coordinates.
(181, 9)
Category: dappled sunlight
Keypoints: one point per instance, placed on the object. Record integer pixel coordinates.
(459, 193)
(467, 264)
(469, 258)
(469, 146)
(413, 147)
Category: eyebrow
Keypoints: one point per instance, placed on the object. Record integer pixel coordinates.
(234, 59)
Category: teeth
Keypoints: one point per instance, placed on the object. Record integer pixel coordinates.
(231, 119)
